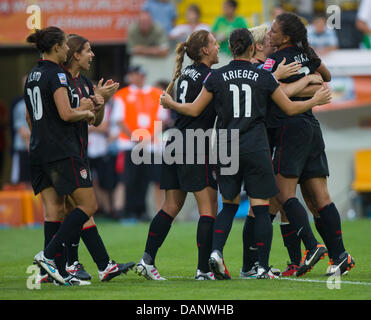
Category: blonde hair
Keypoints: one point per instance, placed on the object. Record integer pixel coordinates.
(259, 33)
(192, 47)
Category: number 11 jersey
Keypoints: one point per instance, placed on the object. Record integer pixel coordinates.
(241, 95)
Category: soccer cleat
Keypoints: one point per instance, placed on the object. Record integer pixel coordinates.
(125, 267)
(112, 270)
(43, 278)
(204, 276)
(49, 266)
(262, 273)
(77, 270)
(148, 271)
(310, 258)
(290, 270)
(342, 266)
(217, 266)
(72, 280)
(251, 274)
(275, 271)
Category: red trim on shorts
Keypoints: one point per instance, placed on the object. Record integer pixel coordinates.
(279, 159)
(288, 234)
(73, 167)
(152, 234)
(93, 226)
(205, 215)
(260, 244)
(120, 162)
(219, 231)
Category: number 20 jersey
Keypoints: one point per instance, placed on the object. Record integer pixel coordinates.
(51, 138)
(241, 94)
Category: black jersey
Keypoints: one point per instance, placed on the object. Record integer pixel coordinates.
(188, 88)
(51, 138)
(80, 87)
(241, 94)
(276, 116)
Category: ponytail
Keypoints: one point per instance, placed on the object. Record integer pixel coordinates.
(180, 52)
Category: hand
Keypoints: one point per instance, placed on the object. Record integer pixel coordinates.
(106, 90)
(315, 79)
(98, 100)
(286, 70)
(90, 117)
(322, 96)
(166, 100)
(253, 60)
(86, 104)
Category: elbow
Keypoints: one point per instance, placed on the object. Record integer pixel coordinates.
(290, 112)
(194, 113)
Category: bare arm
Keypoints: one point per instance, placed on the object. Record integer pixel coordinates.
(65, 111)
(324, 72)
(362, 26)
(303, 87)
(193, 109)
(291, 108)
(309, 91)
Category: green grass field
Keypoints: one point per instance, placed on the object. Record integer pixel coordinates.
(176, 260)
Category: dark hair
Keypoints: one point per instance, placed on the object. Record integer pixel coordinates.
(195, 8)
(291, 25)
(232, 3)
(76, 44)
(192, 47)
(46, 38)
(239, 41)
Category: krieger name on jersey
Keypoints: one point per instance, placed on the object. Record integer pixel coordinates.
(236, 74)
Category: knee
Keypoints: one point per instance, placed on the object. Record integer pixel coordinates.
(171, 208)
(90, 209)
(54, 213)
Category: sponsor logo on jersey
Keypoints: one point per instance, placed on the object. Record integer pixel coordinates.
(83, 173)
(62, 78)
(269, 63)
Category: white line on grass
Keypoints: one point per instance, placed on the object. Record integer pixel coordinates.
(293, 279)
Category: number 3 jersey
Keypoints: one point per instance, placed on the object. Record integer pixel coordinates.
(188, 88)
(51, 138)
(241, 94)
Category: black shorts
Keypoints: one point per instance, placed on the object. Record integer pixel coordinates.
(188, 177)
(65, 176)
(300, 151)
(103, 168)
(256, 172)
(271, 134)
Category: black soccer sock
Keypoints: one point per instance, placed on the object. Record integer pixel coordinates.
(204, 241)
(95, 246)
(292, 242)
(331, 223)
(69, 228)
(323, 233)
(263, 232)
(60, 260)
(50, 229)
(72, 249)
(157, 233)
(250, 253)
(223, 225)
(298, 217)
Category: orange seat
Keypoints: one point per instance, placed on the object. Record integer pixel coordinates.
(20, 207)
(362, 167)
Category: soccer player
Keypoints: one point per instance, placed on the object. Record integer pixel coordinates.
(300, 156)
(56, 168)
(303, 87)
(79, 58)
(179, 179)
(241, 93)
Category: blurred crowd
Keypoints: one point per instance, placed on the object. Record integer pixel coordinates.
(121, 186)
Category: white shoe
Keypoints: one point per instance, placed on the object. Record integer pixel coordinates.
(112, 270)
(265, 274)
(49, 266)
(251, 274)
(204, 276)
(72, 280)
(148, 271)
(217, 266)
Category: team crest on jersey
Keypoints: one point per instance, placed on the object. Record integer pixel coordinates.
(269, 63)
(62, 78)
(83, 173)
